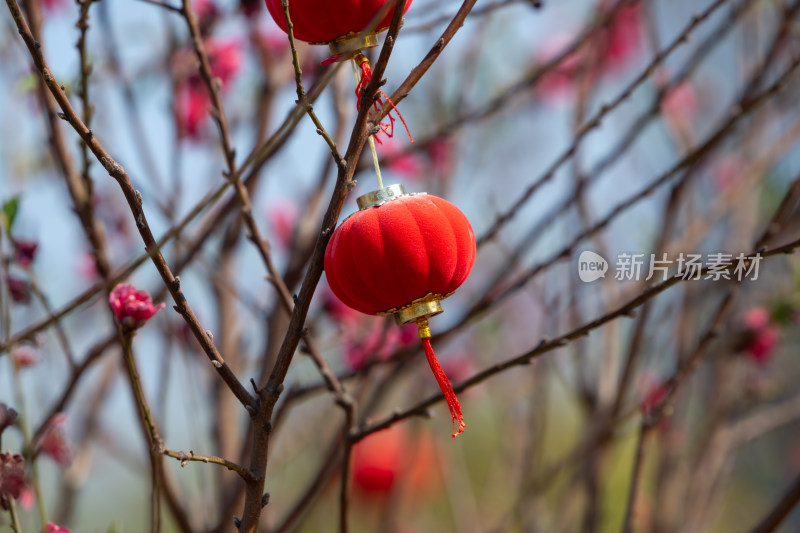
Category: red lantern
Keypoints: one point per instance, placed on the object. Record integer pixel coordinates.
(402, 254)
(336, 23)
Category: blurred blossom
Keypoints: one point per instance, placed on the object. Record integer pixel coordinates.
(192, 99)
(380, 343)
(440, 152)
(622, 39)
(761, 334)
(131, 306)
(283, 218)
(12, 477)
(459, 366)
(224, 58)
(337, 309)
(207, 14)
(654, 393)
(558, 85)
(53, 5)
(19, 289)
(24, 356)
(87, 266)
(24, 252)
(8, 417)
(726, 171)
(27, 498)
(191, 108)
(274, 43)
(250, 8)
(409, 164)
(52, 528)
(53, 441)
(680, 104)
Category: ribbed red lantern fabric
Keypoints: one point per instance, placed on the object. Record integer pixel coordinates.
(385, 257)
(322, 21)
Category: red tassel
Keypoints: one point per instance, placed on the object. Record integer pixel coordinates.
(441, 379)
(387, 128)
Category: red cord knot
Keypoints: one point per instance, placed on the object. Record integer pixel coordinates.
(387, 128)
(441, 378)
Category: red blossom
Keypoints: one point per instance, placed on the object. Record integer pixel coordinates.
(52, 528)
(12, 478)
(53, 441)
(24, 252)
(131, 306)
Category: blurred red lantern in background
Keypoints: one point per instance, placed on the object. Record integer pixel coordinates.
(401, 254)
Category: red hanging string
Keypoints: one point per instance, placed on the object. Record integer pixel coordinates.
(441, 379)
(386, 128)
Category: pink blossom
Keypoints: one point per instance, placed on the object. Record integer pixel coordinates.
(440, 153)
(87, 266)
(24, 252)
(52, 528)
(192, 99)
(761, 334)
(192, 103)
(224, 58)
(459, 367)
(53, 5)
(19, 289)
(131, 306)
(27, 498)
(558, 85)
(655, 394)
(680, 104)
(380, 343)
(24, 356)
(622, 39)
(337, 310)
(12, 477)
(409, 165)
(726, 171)
(274, 43)
(53, 441)
(207, 14)
(756, 318)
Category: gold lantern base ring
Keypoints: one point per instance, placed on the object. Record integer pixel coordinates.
(415, 311)
(349, 45)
